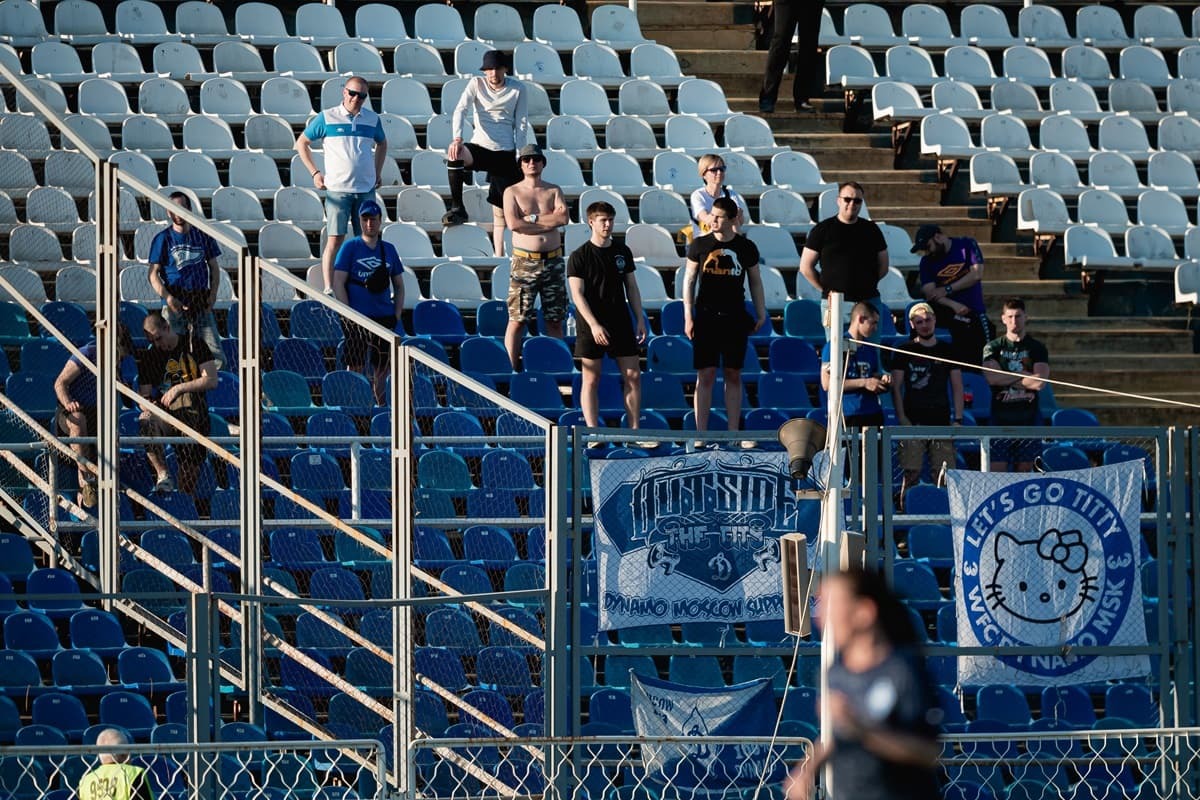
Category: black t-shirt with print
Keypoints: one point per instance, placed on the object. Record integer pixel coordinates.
(849, 256)
(723, 268)
(926, 382)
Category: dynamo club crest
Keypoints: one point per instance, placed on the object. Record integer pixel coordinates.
(691, 538)
(1048, 560)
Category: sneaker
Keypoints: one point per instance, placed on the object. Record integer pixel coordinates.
(766, 108)
(329, 292)
(694, 445)
(455, 216)
(805, 107)
(165, 485)
(87, 494)
(747, 444)
(645, 445)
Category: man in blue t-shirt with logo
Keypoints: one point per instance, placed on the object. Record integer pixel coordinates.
(355, 148)
(185, 274)
(951, 274)
(369, 277)
(864, 380)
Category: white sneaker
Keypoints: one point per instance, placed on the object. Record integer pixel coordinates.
(747, 444)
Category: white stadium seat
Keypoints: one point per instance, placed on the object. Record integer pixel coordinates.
(1104, 209)
(870, 26)
(1045, 26)
(380, 24)
(321, 24)
(617, 26)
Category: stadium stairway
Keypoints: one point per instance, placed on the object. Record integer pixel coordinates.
(1142, 354)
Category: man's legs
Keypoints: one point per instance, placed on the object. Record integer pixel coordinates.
(784, 25)
(205, 327)
(75, 426)
(705, 378)
(498, 231)
(512, 341)
(808, 63)
(340, 215)
(155, 454)
(733, 397)
(456, 171)
(633, 387)
(589, 391)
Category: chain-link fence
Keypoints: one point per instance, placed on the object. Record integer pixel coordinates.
(242, 766)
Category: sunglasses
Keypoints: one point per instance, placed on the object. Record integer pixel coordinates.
(359, 95)
(716, 169)
(852, 200)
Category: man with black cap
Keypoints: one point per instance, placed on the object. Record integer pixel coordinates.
(369, 277)
(497, 104)
(951, 271)
(534, 210)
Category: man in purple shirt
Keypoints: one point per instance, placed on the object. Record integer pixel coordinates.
(951, 280)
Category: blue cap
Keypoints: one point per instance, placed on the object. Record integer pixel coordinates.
(369, 208)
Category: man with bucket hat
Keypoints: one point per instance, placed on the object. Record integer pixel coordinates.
(497, 105)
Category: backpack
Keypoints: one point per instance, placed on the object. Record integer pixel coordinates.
(378, 281)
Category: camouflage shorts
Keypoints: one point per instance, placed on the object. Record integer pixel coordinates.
(532, 277)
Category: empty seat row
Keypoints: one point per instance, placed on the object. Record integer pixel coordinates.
(141, 22)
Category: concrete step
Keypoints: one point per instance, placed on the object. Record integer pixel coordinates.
(668, 16)
(717, 37)
(1101, 325)
(1041, 307)
(1098, 342)
(1012, 268)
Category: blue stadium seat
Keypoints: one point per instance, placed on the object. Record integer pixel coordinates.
(947, 624)
(331, 423)
(1069, 704)
(765, 419)
(316, 472)
(506, 468)
(534, 708)
(461, 424)
(296, 675)
(62, 711)
(1003, 703)
(522, 576)
(802, 318)
(434, 503)
(80, 671)
(16, 557)
(23, 777)
(707, 634)
(287, 393)
(483, 503)
(1063, 457)
(491, 319)
(491, 703)
(302, 357)
(489, 546)
(500, 636)
(716, 419)
(977, 395)
(548, 355)
(33, 633)
(349, 392)
(369, 672)
(10, 720)
(916, 584)
(926, 500)
(440, 665)
(663, 393)
(71, 320)
(268, 324)
(536, 391)
(466, 579)
(313, 322)
(14, 324)
(483, 355)
(149, 581)
(748, 668)
(336, 583)
(1132, 702)
(431, 549)
(953, 719)
(793, 354)
(439, 320)
(610, 394)
(671, 318)
(43, 357)
(931, 544)
(670, 354)
(613, 707)
(784, 391)
(32, 392)
(223, 400)
(431, 347)
(800, 704)
(696, 671)
(8, 601)
(145, 669)
(40, 736)
(297, 548)
(452, 628)
(169, 733)
(358, 722)
(503, 669)
(442, 469)
(1074, 418)
(169, 545)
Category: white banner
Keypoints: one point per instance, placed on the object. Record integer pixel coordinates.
(1048, 560)
(692, 537)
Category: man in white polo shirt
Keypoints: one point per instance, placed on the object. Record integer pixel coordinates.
(497, 105)
(351, 133)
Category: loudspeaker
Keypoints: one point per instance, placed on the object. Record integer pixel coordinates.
(803, 439)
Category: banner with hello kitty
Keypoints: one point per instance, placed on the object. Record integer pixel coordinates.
(1048, 560)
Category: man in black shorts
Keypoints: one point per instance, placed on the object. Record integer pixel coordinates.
(1015, 396)
(497, 104)
(176, 373)
(714, 314)
(600, 275)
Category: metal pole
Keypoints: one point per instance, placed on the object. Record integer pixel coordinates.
(250, 449)
(403, 479)
(108, 403)
(562, 636)
(831, 509)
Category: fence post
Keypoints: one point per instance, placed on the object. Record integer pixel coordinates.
(250, 368)
(202, 662)
(108, 407)
(562, 622)
(403, 476)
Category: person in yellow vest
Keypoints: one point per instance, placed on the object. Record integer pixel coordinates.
(115, 779)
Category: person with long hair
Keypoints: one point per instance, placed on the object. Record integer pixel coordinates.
(883, 709)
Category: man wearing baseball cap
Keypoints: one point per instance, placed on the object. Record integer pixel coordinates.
(923, 387)
(535, 210)
(369, 277)
(497, 104)
(951, 271)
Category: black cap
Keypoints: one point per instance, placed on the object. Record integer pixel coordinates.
(924, 234)
(531, 151)
(494, 59)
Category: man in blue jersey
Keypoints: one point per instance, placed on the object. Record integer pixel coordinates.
(185, 274)
(863, 380)
(951, 275)
(368, 277)
(355, 150)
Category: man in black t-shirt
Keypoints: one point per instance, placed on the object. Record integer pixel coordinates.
(1015, 396)
(922, 389)
(176, 373)
(600, 275)
(852, 253)
(714, 315)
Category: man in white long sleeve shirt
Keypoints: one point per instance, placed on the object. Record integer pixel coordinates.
(497, 104)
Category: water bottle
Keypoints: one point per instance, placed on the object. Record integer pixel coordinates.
(571, 326)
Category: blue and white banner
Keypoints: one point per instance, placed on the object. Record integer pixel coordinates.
(691, 538)
(661, 708)
(1048, 560)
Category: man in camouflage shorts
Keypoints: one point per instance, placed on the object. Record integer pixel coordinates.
(534, 211)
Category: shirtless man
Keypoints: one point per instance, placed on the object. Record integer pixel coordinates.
(534, 210)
